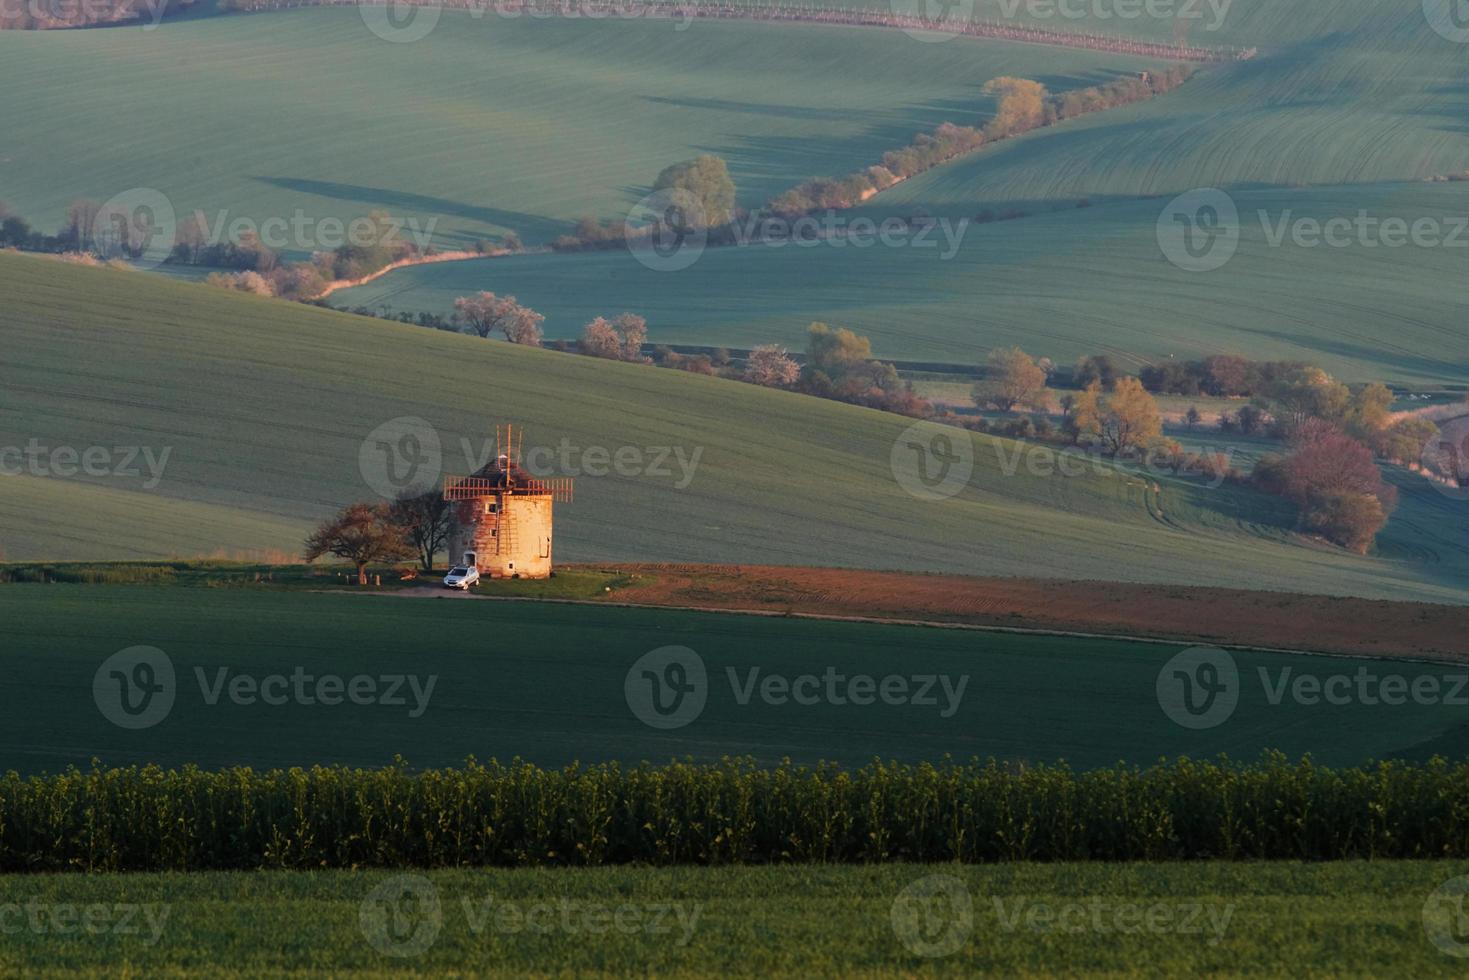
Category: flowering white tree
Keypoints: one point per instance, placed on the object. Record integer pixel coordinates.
(770, 366)
(484, 313)
(617, 340)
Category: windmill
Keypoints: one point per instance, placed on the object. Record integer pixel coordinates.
(503, 516)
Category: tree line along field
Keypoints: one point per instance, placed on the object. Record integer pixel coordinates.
(1353, 93)
(498, 123)
(1052, 283)
(264, 408)
(529, 680)
(814, 921)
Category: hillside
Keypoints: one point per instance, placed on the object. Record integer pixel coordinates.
(1059, 284)
(1368, 97)
(264, 408)
(1345, 110)
(489, 124)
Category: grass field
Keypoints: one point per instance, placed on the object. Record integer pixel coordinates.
(1116, 920)
(490, 123)
(1059, 284)
(1239, 24)
(546, 682)
(1344, 98)
(1369, 97)
(266, 409)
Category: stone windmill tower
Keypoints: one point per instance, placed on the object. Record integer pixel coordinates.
(502, 516)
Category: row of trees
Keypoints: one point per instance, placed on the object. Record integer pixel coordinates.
(839, 364)
(485, 314)
(75, 236)
(52, 16)
(1020, 106)
(376, 246)
(1118, 416)
(1333, 431)
(257, 267)
(698, 196)
(1222, 376)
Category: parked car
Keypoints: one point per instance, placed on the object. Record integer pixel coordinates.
(461, 577)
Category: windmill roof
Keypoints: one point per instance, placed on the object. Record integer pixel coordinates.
(497, 474)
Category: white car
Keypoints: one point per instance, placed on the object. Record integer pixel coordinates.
(461, 577)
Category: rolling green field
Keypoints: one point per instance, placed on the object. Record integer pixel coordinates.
(1239, 24)
(225, 425)
(1058, 284)
(1344, 99)
(266, 408)
(1355, 918)
(545, 682)
(1368, 94)
(489, 124)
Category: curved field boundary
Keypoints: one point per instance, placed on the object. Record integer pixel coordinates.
(667, 9)
(461, 256)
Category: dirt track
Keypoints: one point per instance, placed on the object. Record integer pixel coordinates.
(1227, 616)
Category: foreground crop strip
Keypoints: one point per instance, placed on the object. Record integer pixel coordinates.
(733, 812)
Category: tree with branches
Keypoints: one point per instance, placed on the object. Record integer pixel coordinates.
(771, 366)
(362, 534)
(425, 519)
(484, 313)
(1012, 380)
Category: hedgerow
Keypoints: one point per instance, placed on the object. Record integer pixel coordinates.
(732, 812)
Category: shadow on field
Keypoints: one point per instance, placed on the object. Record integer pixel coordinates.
(528, 225)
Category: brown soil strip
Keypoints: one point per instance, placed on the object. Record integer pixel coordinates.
(1233, 617)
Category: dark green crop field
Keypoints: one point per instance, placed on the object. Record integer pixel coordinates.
(266, 678)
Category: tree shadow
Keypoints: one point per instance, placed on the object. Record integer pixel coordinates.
(530, 227)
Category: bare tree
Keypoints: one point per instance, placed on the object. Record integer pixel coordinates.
(81, 222)
(425, 519)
